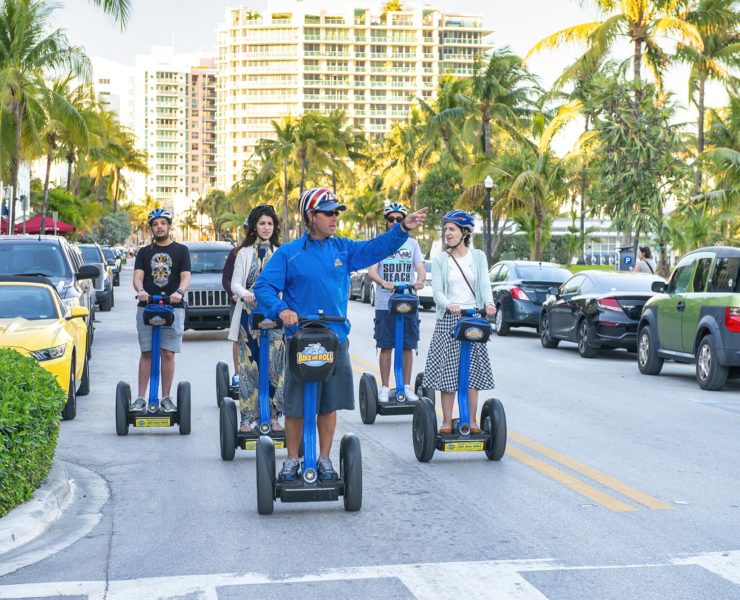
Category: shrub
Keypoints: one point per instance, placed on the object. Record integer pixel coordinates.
(31, 401)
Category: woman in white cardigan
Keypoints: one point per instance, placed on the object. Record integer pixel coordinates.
(260, 241)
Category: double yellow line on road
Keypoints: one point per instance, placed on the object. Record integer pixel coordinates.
(564, 478)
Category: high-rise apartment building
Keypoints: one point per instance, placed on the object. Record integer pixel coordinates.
(173, 123)
(312, 55)
(113, 83)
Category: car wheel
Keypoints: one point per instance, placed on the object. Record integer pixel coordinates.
(500, 325)
(84, 388)
(648, 360)
(372, 295)
(107, 304)
(709, 373)
(585, 342)
(546, 339)
(117, 280)
(70, 407)
(364, 296)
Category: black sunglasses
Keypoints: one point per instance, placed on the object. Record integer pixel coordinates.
(327, 213)
(395, 219)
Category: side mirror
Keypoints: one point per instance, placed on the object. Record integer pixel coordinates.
(88, 272)
(111, 262)
(658, 286)
(78, 311)
(553, 291)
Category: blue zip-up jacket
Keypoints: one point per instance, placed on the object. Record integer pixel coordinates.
(313, 275)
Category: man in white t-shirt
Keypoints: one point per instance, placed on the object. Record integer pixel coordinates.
(405, 266)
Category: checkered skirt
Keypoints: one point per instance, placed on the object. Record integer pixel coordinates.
(443, 359)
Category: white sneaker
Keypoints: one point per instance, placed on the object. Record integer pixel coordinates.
(410, 394)
(383, 394)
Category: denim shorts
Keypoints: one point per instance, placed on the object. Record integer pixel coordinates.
(336, 394)
(170, 338)
(385, 324)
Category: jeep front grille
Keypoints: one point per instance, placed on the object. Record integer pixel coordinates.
(207, 298)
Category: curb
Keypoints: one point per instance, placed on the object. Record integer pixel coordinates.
(28, 521)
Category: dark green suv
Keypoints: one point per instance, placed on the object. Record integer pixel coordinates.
(695, 318)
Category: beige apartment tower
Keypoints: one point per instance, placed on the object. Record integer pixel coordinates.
(300, 56)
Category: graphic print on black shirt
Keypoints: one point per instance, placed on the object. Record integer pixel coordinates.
(162, 266)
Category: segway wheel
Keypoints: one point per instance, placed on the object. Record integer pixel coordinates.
(368, 398)
(493, 420)
(424, 430)
(222, 381)
(228, 429)
(350, 469)
(183, 407)
(123, 401)
(265, 475)
(419, 388)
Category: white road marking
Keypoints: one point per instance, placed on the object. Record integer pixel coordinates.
(425, 580)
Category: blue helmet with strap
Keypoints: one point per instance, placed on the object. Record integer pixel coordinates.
(159, 213)
(462, 219)
(391, 207)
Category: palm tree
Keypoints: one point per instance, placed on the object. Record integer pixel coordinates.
(407, 156)
(445, 116)
(28, 52)
(118, 9)
(344, 143)
(642, 22)
(718, 23)
(311, 139)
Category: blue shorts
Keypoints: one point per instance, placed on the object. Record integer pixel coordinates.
(385, 324)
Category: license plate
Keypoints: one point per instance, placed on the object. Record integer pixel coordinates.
(152, 422)
(252, 444)
(464, 446)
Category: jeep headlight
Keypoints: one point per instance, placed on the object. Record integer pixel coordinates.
(49, 353)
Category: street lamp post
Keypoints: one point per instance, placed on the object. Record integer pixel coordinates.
(488, 183)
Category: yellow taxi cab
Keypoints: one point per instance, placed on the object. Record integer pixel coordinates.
(37, 323)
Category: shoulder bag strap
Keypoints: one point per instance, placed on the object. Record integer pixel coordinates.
(462, 273)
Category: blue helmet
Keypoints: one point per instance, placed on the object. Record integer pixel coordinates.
(157, 213)
(391, 207)
(462, 219)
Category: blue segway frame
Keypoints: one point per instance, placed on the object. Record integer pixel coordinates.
(466, 348)
(155, 372)
(263, 387)
(398, 319)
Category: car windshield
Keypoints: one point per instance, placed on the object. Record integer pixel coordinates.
(33, 258)
(208, 261)
(90, 254)
(542, 273)
(109, 253)
(624, 283)
(27, 302)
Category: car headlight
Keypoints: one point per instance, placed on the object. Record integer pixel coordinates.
(70, 302)
(49, 353)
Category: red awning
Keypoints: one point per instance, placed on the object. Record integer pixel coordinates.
(33, 225)
(3, 225)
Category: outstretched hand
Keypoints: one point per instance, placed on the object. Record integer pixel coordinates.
(415, 219)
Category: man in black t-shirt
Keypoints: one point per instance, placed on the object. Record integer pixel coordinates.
(161, 268)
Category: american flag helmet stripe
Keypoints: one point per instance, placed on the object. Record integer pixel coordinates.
(314, 196)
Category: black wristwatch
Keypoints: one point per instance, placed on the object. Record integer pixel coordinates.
(179, 291)
(403, 226)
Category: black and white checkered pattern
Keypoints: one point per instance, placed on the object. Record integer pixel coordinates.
(443, 359)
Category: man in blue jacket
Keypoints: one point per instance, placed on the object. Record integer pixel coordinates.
(312, 274)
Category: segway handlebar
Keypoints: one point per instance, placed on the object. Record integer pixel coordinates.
(472, 312)
(157, 298)
(399, 288)
(321, 317)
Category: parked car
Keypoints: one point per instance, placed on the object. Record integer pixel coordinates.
(519, 288)
(208, 304)
(53, 257)
(113, 259)
(92, 254)
(35, 322)
(426, 297)
(596, 309)
(360, 286)
(695, 318)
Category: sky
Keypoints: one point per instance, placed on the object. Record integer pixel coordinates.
(192, 24)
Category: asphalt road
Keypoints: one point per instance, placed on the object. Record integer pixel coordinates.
(614, 485)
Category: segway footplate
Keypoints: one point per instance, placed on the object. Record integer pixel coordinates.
(248, 441)
(299, 491)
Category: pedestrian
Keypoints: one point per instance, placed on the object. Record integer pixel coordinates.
(161, 268)
(405, 266)
(261, 240)
(459, 281)
(233, 335)
(645, 262)
(312, 274)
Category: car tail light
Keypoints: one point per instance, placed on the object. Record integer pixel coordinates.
(519, 294)
(609, 304)
(732, 319)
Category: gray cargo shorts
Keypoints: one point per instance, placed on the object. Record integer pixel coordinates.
(171, 337)
(336, 394)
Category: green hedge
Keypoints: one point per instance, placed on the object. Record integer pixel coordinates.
(31, 401)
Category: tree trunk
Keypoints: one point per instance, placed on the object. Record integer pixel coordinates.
(70, 163)
(45, 205)
(537, 251)
(117, 190)
(286, 225)
(637, 60)
(15, 164)
(699, 139)
(582, 183)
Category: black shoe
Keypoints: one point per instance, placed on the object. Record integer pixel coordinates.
(289, 471)
(167, 405)
(326, 470)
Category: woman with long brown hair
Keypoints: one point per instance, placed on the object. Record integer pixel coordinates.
(261, 240)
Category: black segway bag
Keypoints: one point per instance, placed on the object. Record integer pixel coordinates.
(403, 304)
(158, 314)
(472, 330)
(312, 352)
